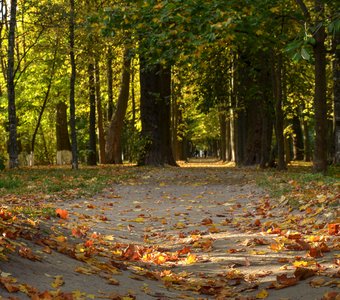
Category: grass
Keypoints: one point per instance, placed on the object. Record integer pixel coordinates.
(299, 185)
(62, 181)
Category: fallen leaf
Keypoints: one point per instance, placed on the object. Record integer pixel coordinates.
(190, 259)
(61, 213)
(262, 294)
(58, 281)
(334, 229)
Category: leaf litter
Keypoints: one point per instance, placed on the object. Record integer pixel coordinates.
(191, 233)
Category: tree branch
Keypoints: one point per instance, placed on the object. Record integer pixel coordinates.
(303, 8)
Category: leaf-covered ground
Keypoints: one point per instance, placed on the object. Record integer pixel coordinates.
(202, 231)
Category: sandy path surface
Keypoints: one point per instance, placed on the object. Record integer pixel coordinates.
(168, 233)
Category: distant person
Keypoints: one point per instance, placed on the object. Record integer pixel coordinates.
(205, 153)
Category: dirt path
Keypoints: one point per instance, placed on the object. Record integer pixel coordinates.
(171, 233)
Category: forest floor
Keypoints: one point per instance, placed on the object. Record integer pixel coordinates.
(202, 231)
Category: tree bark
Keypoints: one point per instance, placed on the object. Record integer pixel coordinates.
(336, 95)
(320, 103)
(306, 141)
(72, 88)
(101, 134)
(298, 145)
(109, 76)
(223, 136)
(155, 84)
(64, 148)
(279, 117)
(113, 148)
(92, 152)
(12, 118)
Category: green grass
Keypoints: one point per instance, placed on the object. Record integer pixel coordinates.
(10, 183)
(61, 180)
(299, 185)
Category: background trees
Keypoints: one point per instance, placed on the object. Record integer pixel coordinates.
(234, 79)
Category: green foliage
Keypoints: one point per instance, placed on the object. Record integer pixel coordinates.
(9, 182)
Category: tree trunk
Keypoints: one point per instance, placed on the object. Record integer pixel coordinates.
(279, 117)
(64, 149)
(320, 103)
(101, 134)
(113, 148)
(336, 91)
(228, 139)
(223, 136)
(12, 118)
(155, 84)
(72, 89)
(306, 141)
(47, 94)
(298, 145)
(91, 151)
(109, 71)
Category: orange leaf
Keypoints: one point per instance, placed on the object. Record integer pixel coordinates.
(330, 296)
(61, 213)
(334, 229)
(257, 223)
(315, 252)
(206, 221)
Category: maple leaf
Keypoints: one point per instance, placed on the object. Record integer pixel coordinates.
(190, 259)
(61, 213)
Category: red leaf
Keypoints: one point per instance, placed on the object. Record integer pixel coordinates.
(61, 213)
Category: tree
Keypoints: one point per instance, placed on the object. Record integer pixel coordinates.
(12, 117)
(155, 84)
(47, 94)
(320, 103)
(336, 95)
(64, 148)
(113, 147)
(91, 154)
(72, 88)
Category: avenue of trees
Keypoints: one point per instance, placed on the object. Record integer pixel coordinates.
(152, 81)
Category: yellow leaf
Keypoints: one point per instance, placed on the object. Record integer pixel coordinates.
(262, 295)
(302, 263)
(58, 281)
(180, 225)
(60, 239)
(83, 270)
(191, 258)
(113, 281)
(138, 220)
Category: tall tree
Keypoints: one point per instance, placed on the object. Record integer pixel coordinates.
(101, 134)
(155, 84)
(46, 97)
(113, 147)
(72, 87)
(320, 103)
(92, 152)
(12, 117)
(336, 95)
